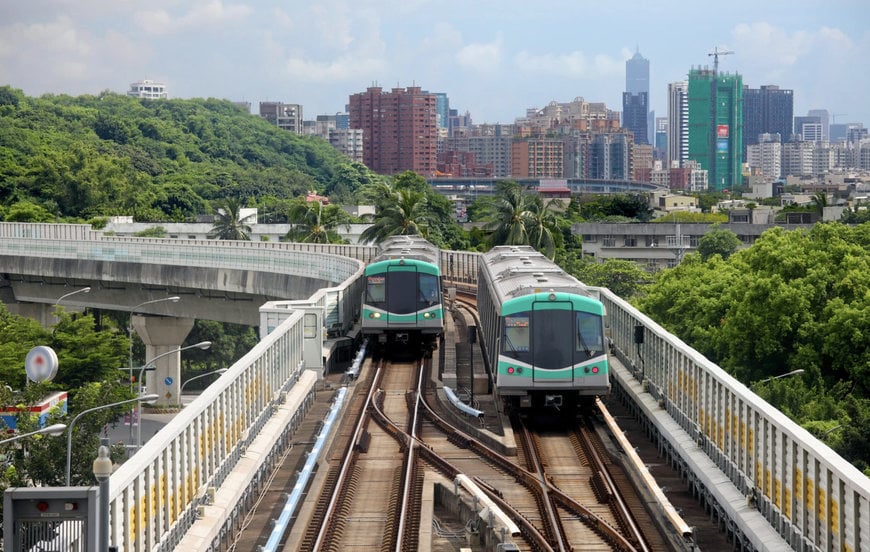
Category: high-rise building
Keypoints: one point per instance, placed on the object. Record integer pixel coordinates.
(809, 128)
(286, 116)
(148, 89)
(716, 126)
(661, 136)
(678, 124)
(767, 110)
(610, 156)
(399, 129)
(635, 99)
(825, 119)
(442, 109)
(766, 156)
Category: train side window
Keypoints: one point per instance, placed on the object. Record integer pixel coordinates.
(589, 333)
(428, 289)
(376, 289)
(516, 334)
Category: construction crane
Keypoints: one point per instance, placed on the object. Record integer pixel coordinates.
(835, 115)
(716, 53)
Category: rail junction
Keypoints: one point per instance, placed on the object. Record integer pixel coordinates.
(763, 480)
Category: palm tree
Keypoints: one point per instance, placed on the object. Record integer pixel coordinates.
(544, 224)
(510, 214)
(820, 201)
(314, 223)
(229, 224)
(405, 214)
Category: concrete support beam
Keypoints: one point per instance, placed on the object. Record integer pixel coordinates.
(162, 334)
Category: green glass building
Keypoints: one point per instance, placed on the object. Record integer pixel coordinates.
(716, 126)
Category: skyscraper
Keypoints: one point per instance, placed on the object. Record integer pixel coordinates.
(399, 129)
(766, 110)
(716, 126)
(678, 124)
(635, 99)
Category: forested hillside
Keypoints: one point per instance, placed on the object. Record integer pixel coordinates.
(90, 156)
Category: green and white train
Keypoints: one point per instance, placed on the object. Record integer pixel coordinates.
(542, 331)
(402, 302)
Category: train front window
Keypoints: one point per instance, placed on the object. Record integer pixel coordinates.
(515, 340)
(376, 290)
(428, 291)
(589, 341)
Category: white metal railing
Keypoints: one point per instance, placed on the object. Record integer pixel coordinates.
(807, 492)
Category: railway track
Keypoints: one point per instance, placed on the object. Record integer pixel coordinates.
(560, 492)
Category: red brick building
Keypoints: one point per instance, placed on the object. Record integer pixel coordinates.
(399, 127)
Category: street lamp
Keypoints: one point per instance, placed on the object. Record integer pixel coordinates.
(56, 429)
(201, 345)
(218, 371)
(146, 398)
(133, 310)
(102, 471)
(787, 374)
(62, 297)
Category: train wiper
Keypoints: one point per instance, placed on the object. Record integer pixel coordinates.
(584, 345)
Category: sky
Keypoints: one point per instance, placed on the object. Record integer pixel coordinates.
(493, 58)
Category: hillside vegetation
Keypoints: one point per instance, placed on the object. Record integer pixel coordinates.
(90, 156)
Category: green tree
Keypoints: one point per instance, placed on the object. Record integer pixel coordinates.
(407, 214)
(315, 223)
(230, 224)
(26, 211)
(510, 215)
(718, 241)
(622, 277)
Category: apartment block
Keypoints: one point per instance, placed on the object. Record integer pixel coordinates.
(400, 131)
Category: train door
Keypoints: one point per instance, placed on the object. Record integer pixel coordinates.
(402, 295)
(552, 343)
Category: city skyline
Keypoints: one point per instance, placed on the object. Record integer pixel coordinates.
(493, 59)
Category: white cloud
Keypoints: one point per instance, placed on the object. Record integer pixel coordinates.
(341, 69)
(572, 64)
(61, 57)
(485, 57)
(202, 14)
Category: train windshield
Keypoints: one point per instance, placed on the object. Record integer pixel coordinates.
(428, 291)
(589, 341)
(552, 339)
(376, 290)
(401, 291)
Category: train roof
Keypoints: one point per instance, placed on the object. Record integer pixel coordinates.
(407, 247)
(517, 270)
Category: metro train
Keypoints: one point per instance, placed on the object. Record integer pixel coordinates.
(542, 331)
(402, 301)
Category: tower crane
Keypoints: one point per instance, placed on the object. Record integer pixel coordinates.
(716, 53)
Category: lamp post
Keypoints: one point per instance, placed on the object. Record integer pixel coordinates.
(56, 429)
(787, 374)
(102, 471)
(64, 296)
(146, 398)
(201, 345)
(218, 371)
(133, 310)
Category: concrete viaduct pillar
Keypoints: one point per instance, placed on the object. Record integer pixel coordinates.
(162, 334)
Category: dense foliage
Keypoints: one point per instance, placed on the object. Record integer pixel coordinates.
(90, 156)
(796, 300)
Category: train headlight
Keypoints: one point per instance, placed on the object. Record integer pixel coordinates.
(375, 315)
(552, 296)
(426, 315)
